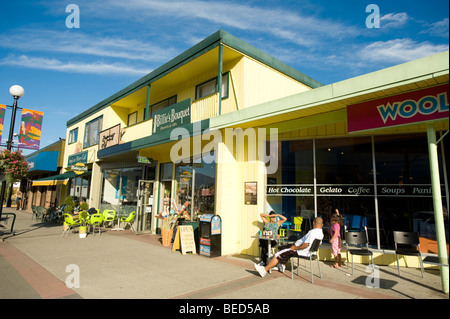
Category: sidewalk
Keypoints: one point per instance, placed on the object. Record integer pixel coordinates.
(123, 265)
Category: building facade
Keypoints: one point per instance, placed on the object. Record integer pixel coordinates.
(45, 163)
(226, 129)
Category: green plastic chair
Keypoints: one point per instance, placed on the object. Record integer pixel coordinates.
(96, 220)
(34, 210)
(70, 222)
(40, 213)
(109, 216)
(129, 220)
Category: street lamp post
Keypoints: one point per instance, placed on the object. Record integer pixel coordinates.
(17, 92)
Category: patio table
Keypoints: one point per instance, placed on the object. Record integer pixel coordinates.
(118, 216)
(269, 244)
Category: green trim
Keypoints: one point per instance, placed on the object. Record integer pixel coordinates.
(268, 60)
(151, 140)
(197, 50)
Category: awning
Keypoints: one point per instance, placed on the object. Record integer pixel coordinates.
(61, 179)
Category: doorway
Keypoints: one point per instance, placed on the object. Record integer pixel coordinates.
(145, 206)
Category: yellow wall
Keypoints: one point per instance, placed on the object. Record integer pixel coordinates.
(239, 221)
(262, 84)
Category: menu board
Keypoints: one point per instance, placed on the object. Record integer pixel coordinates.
(187, 240)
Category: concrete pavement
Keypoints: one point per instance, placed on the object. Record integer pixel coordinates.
(36, 263)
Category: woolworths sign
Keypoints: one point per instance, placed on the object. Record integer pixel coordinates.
(172, 116)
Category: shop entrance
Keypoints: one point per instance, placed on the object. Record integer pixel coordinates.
(145, 206)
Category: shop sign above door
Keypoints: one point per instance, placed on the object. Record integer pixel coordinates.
(172, 116)
(412, 107)
(78, 158)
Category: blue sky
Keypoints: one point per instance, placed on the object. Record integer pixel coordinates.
(65, 71)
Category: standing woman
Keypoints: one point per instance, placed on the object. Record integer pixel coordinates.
(18, 200)
(272, 225)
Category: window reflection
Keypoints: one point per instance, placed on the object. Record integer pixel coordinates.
(343, 175)
(119, 189)
(195, 189)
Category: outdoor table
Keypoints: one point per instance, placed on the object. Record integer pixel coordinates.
(269, 243)
(118, 222)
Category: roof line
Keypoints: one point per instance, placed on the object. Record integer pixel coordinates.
(424, 68)
(203, 46)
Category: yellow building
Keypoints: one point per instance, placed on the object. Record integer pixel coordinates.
(226, 129)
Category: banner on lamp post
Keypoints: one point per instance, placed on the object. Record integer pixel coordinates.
(30, 129)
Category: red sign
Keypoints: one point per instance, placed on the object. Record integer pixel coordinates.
(412, 107)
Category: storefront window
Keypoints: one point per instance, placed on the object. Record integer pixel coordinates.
(204, 188)
(405, 200)
(119, 191)
(165, 178)
(344, 161)
(183, 195)
(296, 169)
(345, 181)
(342, 174)
(79, 189)
(195, 188)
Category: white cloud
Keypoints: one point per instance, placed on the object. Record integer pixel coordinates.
(438, 29)
(298, 28)
(399, 50)
(393, 20)
(75, 67)
(81, 43)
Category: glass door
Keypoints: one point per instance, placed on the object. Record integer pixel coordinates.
(183, 196)
(145, 206)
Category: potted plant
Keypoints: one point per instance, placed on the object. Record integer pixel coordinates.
(68, 209)
(83, 224)
(70, 204)
(84, 206)
(167, 226)
(83, 216)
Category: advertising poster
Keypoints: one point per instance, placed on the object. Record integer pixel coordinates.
(251, 193)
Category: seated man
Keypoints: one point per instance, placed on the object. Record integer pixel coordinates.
(301, 248)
